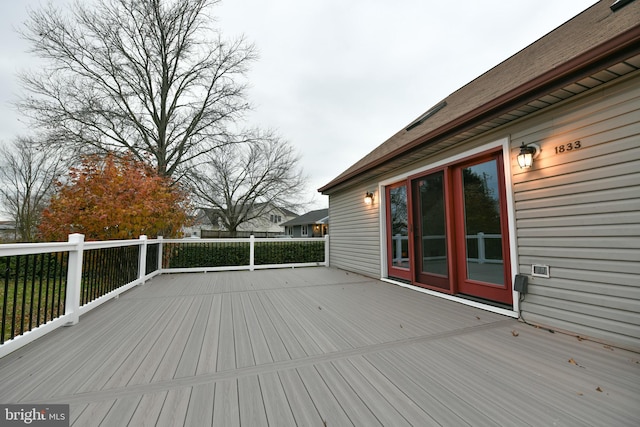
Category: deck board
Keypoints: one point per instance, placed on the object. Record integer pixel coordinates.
(314, 346)
(275, 401)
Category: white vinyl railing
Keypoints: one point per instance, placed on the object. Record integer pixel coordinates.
(481, 238)
(86, 275)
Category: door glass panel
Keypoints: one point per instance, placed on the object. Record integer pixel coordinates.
(399, 227)
(433, 239)
(482, 223)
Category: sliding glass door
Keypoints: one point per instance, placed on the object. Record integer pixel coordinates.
(449, 231)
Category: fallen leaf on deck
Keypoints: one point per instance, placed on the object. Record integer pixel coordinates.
(573, 362)
(599, 389)
(514, 333)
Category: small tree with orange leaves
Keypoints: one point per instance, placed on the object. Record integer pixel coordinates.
(114, 198)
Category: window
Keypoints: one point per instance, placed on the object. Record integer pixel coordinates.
(304, 230)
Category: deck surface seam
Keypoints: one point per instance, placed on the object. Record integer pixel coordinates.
(134, 390)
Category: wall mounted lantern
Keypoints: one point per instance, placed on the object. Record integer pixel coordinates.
(527, 154)
(368, 198)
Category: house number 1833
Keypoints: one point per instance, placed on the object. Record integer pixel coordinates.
(568, 147)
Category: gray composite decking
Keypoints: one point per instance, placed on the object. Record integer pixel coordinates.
(315, 346)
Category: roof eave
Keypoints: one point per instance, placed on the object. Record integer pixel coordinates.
(600, 57)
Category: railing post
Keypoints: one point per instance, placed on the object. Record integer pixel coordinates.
(142, 263)
(252, 252)
(159, 238)
(481, 249)
(74, 279)
(326, 250)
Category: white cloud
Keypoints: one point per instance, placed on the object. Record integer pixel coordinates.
(338, 78)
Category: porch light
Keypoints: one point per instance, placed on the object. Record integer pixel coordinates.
(527, 154)
(368, 198)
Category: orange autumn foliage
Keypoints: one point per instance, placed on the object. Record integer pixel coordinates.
(114, 198)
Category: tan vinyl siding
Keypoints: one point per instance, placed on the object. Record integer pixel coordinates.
(354, 232)
(579, 213)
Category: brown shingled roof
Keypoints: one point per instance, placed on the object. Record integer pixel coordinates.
(593, 40)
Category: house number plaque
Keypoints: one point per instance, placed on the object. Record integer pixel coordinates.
(571, 146)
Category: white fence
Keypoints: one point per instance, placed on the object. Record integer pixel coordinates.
(146, 265)
(398, 243)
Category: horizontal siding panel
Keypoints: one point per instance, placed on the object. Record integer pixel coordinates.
(555, 318)
(599, 278)
(596, 179)
(616, 243)
(581, 296)
(599, 200)
(619, 212)
(589, 264)
(618, 254)
(572, 283)
(597, 316)
(590, 226)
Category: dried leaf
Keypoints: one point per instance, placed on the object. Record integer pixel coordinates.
(514, 333)
(580, 394)
(573, 362)
(599, 389)
(580, 338)
(478, 317)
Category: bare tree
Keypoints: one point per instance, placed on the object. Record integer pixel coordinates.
(28, 172)
(244, 182)
(145, 76)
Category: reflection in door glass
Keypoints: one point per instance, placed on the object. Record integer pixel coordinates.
(432, 224)
(399, 226)
(482, 223)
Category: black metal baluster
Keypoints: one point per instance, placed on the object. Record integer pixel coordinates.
(55, 308)
(33, 281)
(16, 281)
(42, 279)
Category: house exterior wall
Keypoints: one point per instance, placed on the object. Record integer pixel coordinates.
(355, 232)
(577, 211)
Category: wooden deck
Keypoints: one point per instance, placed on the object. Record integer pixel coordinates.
(316, 347)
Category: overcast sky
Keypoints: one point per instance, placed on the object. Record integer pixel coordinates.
(337, 78)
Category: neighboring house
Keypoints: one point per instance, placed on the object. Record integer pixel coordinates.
(311, 224)
(454, 215)
(201, 220)
(8, 231)
(208, 223)
(270, 221)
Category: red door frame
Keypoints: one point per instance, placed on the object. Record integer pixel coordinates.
(392, 270)
(477, 288)
(427, 280)
(454, 217)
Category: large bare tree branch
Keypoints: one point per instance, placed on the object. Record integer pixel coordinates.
(244, 181)
(145, 76)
